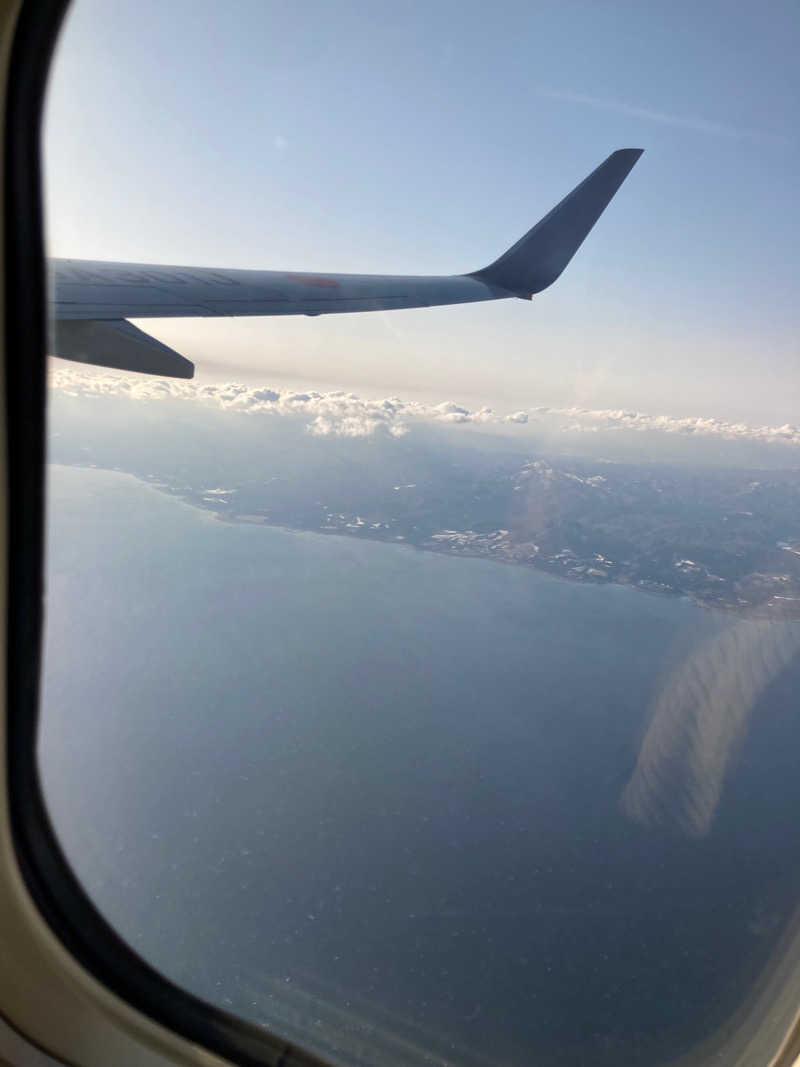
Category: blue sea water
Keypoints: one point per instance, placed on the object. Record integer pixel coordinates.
(350, 788)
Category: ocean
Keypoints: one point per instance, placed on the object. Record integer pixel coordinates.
(404, 807)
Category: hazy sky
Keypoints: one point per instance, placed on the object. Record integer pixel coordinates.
(426, 138)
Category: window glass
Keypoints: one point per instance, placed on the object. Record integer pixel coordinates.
(421, 684)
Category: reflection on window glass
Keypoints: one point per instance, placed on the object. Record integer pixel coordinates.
(422, 684)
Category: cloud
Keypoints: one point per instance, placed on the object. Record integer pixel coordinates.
(684, 122)
(344, 414)
(587, 420)
(335, 413)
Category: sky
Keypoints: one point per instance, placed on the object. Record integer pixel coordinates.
(427, 138)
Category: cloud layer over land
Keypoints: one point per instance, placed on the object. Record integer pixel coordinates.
(345, 414)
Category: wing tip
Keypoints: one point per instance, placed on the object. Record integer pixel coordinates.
(634, 153)
(540, 256)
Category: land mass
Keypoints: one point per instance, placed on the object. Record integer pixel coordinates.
(728, 539)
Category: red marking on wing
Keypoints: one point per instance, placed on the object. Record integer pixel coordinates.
(314, 279)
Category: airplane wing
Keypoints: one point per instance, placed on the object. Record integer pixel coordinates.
(93, 300)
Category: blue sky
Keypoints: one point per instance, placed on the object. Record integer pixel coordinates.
(425, 138)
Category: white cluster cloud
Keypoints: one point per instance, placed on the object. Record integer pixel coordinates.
(587, 420)
(345, 414)
(334, 413)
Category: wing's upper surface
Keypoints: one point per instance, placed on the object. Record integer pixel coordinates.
(99, 290)
(108, 293)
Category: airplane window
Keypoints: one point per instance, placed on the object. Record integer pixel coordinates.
(423, 589)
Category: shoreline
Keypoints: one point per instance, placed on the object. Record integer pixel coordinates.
(752, 612)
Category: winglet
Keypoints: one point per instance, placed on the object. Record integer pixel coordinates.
(538, 258)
